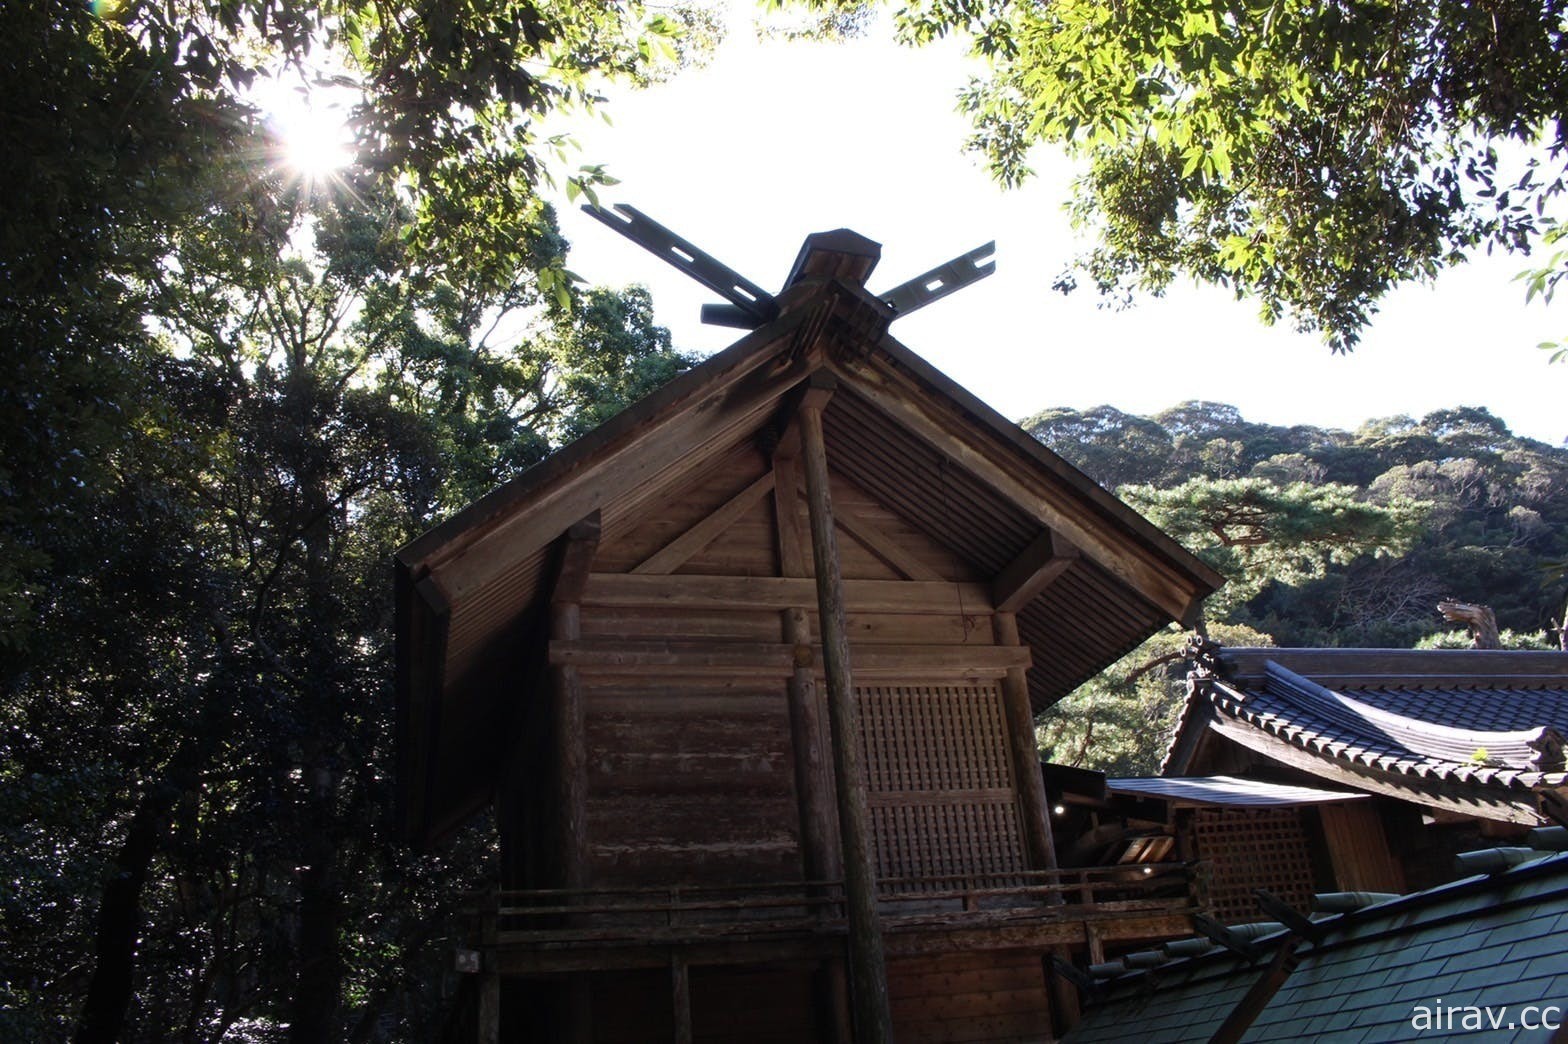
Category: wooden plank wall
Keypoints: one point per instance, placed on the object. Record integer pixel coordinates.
(689, 783)
(990, 996)
(690, 779)
(1358, 846)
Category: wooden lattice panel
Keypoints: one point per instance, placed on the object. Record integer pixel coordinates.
(1248, 849)
(938, 783)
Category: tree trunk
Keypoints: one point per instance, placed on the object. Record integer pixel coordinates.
(1479, 618)
(119, 921)
(319, 964)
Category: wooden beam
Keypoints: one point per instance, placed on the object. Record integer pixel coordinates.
(820, 858)
(1047, 557)
(1052, 503)
(867, 962)
(882, 545)
(1033, 807)
(792, 554)
(675, 554)
(1257, 997)
(701, 656)
(612, 590)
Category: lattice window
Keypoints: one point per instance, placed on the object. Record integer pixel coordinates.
(938, 783)
(1252, 848)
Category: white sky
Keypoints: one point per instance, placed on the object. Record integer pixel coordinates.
(775, 141)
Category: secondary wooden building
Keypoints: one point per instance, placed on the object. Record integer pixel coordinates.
(748, 674)
(1447, 750)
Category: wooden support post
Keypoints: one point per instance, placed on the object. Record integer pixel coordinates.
(867, 962)
(818, 847)
(567, 721)
(1032, 806)
(569, 735)
(833, 998)
(1065, 1005)
(1096, 944)
(488, 1022)
(680, 995)
(489, 1008)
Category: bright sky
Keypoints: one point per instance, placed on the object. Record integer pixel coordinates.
(775, 141)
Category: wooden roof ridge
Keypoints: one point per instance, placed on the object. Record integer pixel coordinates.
(1358, 668)
(712, 375)
(779, 343)
(901, 360)
(1531, 748)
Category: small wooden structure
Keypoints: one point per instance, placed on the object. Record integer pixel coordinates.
(1450, 748)
(749, 675)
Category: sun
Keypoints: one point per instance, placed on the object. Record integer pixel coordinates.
(311, 130)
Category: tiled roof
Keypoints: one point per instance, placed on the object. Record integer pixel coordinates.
(1487, 942)
(1227, 790)
(1489, 719)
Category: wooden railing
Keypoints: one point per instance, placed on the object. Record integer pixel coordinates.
(682, 913)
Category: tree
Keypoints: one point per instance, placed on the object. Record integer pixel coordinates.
(1258, 533)
(231, 394)
(1121, 721)
(1309, 155)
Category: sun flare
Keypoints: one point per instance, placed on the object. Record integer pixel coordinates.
(312, 132)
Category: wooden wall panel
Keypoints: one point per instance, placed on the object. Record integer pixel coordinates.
(747, 548)
(849, 497)
(988, 996)
(1252, 848)
(658, 523)
(689, 784)
(938, 780)
(1356, 843)
(730, 625)
(751, 1004)
(761, 1005)
(916, 628)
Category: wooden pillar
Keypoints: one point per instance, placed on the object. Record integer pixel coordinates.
(570, 749)
(488, 1022)
(1095, 943)
(867, 962)
(818, 847)
(568, 729)
(1032, 806)
(489, 1008)
(680, 996)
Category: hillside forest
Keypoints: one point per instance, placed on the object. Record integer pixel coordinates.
(1329, 538)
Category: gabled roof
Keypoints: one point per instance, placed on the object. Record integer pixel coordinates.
(1495, 941)
(1227, 791)
(950, 466)
(1439, 726)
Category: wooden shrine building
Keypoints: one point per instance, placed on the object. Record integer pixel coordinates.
(1445, 750)
(748, 674)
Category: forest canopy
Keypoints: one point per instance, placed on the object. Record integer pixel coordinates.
(1311, 156)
